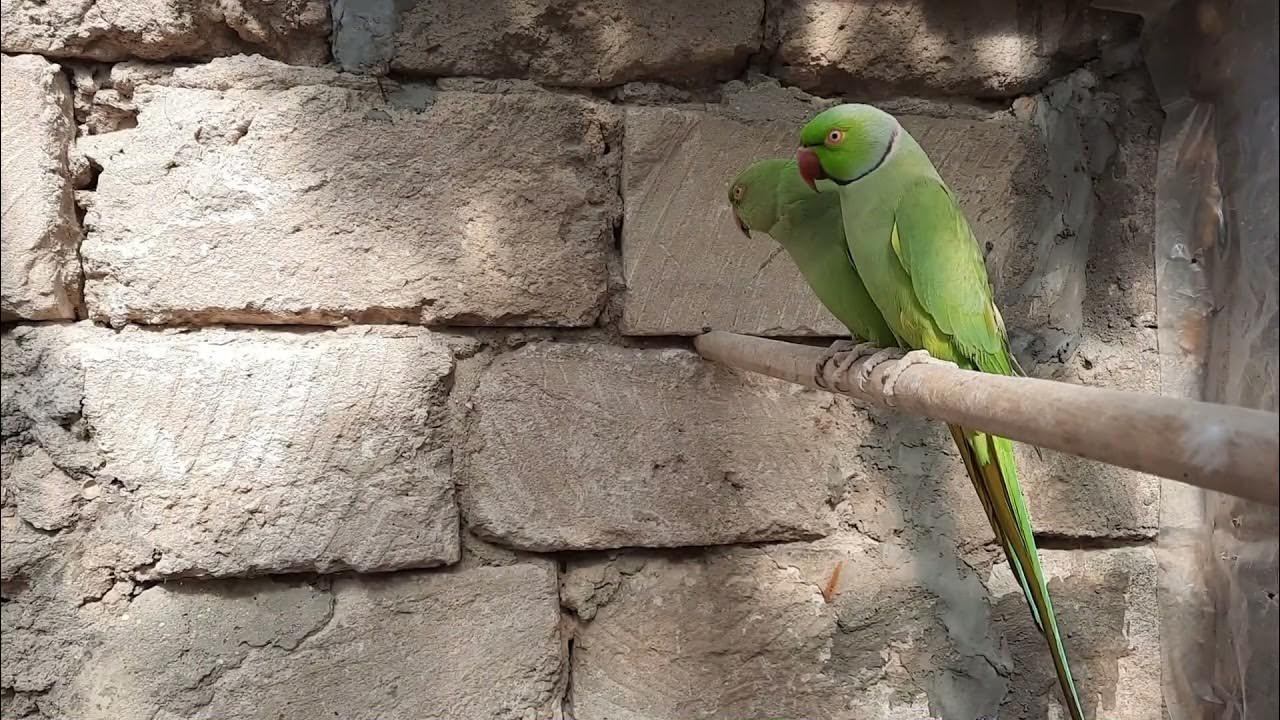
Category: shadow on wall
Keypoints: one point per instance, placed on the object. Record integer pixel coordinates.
(564, 43)
(989, 658)
(985, 50)
(1215, 66)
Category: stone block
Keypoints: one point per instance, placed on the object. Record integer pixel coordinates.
(1108, 610)
(258, 193)
(593, 44)
(594, 446)
(483, 642)
(909, 475)
(993, 48)
(41, 275)
(230, 453)
(295, 31)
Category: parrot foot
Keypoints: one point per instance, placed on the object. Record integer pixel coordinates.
(878, 358)
(845, 354)
(915, 357)
(837, 347)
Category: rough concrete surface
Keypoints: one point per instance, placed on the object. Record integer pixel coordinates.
(688, 268)
(990, 48)
(593, 446)
(41, 277)
(593, 44)
(747, 632)
(310, 197)
(225, 453)
(295, 31)
(364, 34)
(909, 476)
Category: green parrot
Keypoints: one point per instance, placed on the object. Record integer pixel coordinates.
(771, 197)
(923, 268)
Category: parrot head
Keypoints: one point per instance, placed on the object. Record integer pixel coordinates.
(845, 143)
(753, 196)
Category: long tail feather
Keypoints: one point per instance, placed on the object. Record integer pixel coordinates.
(990, 463)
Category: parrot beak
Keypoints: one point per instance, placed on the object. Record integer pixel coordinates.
(737, 219)
(810, 167)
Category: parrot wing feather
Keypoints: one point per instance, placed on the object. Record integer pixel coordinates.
(937, 249)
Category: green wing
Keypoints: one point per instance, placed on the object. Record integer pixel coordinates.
(811, 230)
(939, 253)
(937, 249)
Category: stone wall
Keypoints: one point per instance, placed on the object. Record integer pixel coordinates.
(347, 368)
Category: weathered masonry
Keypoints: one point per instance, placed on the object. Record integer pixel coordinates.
(347, 369)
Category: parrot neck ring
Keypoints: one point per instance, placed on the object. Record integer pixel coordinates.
(888, 150)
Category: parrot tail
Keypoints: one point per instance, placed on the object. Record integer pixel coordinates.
(990, 464)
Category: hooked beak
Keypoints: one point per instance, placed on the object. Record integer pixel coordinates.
(810, 167)
(737, 219)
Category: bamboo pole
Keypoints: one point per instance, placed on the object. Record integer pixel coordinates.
(1229, 449)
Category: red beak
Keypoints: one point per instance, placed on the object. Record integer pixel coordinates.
(810, 167)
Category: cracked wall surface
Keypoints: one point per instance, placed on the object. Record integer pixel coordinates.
(347, 366)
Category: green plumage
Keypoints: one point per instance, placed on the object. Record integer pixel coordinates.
(773, 199)
(922, 266)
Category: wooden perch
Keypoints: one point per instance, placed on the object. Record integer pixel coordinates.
(1218, 447)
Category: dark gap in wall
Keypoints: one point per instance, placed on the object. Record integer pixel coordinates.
(566, 699)
(1053, 541)
(760, 60)
(79, 182)
(95, 170)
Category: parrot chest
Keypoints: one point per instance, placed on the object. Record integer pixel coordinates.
(868, 225)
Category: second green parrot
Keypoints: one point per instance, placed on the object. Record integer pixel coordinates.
(771, 197)
(922, 267)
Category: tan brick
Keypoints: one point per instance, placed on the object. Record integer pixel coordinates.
(41, 275)
(910, 631)
(253, 192)
(993, 48)
(226, 453)
(296, 31)
(595, 446)
(595, 44)
(482, 642)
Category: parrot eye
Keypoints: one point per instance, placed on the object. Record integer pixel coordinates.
(835, 137)
(737, 192)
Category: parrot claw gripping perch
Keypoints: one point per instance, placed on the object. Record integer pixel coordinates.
(844, 353)
(878, 358)
(915, 357)
(837, 347)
